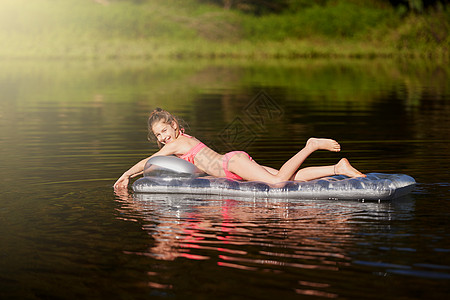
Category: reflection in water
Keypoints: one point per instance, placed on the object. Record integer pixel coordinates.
(261, 235)
(70, 128)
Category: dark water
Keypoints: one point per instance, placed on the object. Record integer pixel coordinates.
(68, 130)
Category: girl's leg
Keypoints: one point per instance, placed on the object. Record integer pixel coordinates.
(271, 170)
(250, 170)
(240, 164)
(291, 166)
(312, 173)
(343, 167)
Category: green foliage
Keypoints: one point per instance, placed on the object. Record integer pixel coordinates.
(85, 17)
(193, 28)
(423, 33)
(342, 19)
(417, 6)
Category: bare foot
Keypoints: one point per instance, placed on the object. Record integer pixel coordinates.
(323, 144)
(343, 167)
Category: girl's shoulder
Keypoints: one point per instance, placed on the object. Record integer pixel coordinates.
(187, 138)
(181, 145)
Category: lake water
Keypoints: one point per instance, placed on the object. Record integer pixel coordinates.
(69, 129)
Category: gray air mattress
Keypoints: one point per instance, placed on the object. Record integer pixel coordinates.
(169, 174)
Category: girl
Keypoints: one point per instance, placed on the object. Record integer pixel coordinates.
(237, 165)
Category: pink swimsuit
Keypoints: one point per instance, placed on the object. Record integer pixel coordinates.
(226, 159)
(190, 155)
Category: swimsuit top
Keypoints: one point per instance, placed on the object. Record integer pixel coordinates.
(190, 155)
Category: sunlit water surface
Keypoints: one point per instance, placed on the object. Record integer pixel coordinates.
(68, 130)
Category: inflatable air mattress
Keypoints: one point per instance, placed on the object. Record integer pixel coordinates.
(169, 174)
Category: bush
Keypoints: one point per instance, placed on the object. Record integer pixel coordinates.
(334, 20)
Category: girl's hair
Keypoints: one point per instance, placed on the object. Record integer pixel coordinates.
(158, 115)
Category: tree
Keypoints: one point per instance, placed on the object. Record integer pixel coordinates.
(257, 7)
(418, 6)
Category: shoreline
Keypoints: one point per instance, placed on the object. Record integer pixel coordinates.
(149, 50)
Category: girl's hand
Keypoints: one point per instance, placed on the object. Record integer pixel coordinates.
(122, 182)
(138, 169)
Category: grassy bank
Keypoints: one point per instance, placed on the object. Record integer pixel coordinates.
(85, 29)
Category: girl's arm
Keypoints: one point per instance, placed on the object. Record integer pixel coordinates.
(138, 168)
(134, 171)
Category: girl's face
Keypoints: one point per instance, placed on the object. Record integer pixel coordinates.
(164, 132)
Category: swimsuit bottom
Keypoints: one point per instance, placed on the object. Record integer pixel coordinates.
(226, 159)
